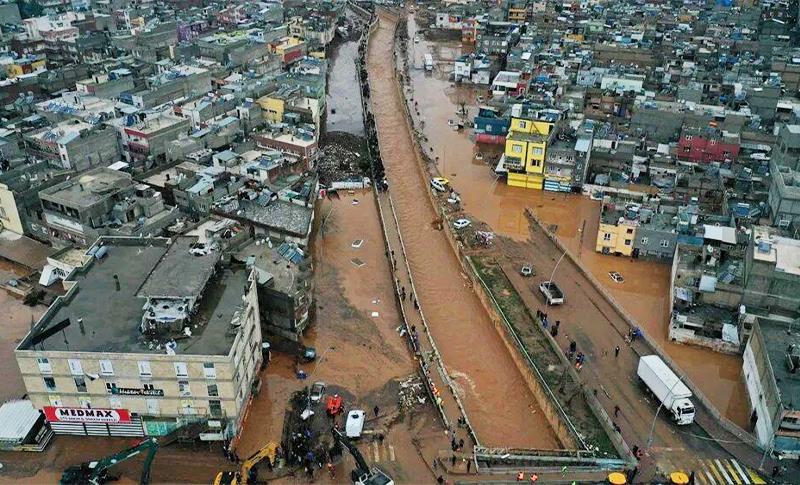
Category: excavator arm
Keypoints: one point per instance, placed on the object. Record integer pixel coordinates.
(243, 475)
(95, 472)
(361, 463)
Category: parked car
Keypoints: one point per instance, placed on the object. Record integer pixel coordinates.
(439, 183)
(618, 278)
(317, 391)
(354, 424)
(461, 223)
(527, 270)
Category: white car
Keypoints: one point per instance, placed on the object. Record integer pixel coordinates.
(317, 391)
(461, 223)
(355, 423)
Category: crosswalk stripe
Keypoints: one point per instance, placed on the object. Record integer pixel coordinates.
(391, 453)
(757, 480)
(718, 478)
(740, 471)
(732, 472)
(698, 465)
(724, 473)
(375, 451)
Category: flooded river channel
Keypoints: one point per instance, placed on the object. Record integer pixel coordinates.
(499, 404)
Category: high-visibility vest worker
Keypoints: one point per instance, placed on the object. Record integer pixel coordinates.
(534, 477)
(520, 476)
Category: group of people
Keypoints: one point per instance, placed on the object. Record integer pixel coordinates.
(542, 316)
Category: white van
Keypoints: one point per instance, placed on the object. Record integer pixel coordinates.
(354, 424)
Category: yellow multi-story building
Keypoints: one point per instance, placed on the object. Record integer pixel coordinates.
(525, 149)
(617, 232)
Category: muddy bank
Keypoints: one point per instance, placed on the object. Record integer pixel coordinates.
(645, 293)
(497, 399)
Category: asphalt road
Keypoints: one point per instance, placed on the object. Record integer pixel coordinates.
(589, 319)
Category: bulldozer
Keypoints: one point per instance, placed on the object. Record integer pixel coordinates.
(247, 472)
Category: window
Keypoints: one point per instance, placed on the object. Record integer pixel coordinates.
(181, 369)
(85, 402)
(687, 149)
(665, 243)
(607, 236)
(215, 407)
(538, 151)
(516, 148)
(49, 384)
(44, 365)
(209, 370)
(55, 400)
(628, 242)
(148, 387)
(212, 390)
(110, 386)
(629, 230)
(644, 241)
(184, 389)
(144, 369)
(523, 124)
(80, 384)
(75, 367)
(106, 368)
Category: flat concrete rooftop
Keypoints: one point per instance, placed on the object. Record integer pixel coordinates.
(104, 319)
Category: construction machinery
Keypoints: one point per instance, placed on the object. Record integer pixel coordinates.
(247, 473)
(96, 472)
(362, 474)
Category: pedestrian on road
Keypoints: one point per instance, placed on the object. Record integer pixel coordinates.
(453, 443)
(632, 474)
(440, 480)
(554, 331)
(538, 314)
(377, 410)
(573, 346)
(469, 465)
(453, 461)
(617, 428)
(691, 478)
(520, 476)
(461, 444)
(616, 410)
(616, 351)
(416, 305)
(775, 471)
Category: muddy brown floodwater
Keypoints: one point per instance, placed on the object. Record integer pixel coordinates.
(499, 404)
(645, 292)
(357, 351)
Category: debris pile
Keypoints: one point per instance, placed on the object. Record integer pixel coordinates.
(411, 393)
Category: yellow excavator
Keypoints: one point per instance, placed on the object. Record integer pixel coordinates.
(246, 474)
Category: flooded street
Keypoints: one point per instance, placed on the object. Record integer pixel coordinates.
(357, 352)
(471, 348)
(645, 293)
(343, 102)
(17, 319)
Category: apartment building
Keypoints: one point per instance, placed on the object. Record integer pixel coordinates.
(181, 342)
(101, 202)
(74, 145)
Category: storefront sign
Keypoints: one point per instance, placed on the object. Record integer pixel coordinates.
(86, 415)
(135, 391)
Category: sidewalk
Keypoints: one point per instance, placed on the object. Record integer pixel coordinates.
(421, 340)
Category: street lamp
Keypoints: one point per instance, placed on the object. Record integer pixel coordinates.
(653, 427)
(556, 266)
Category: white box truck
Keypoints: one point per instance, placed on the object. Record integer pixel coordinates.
(667, 387)
(428, 62)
